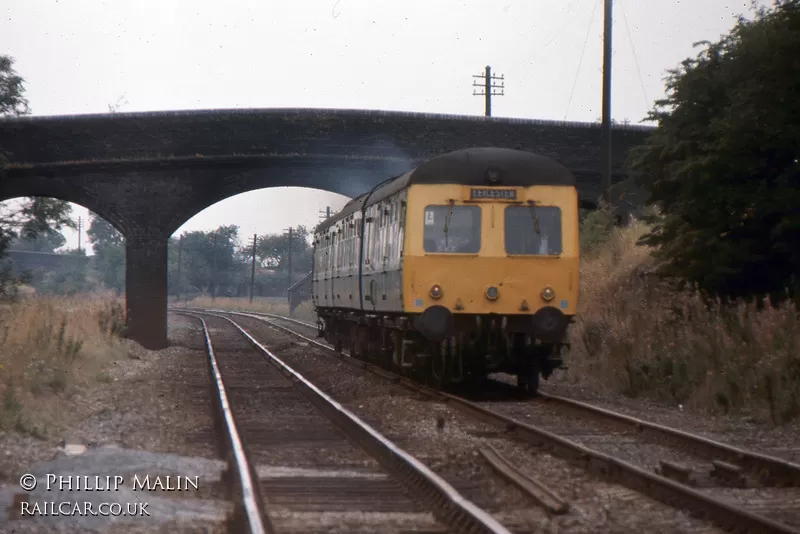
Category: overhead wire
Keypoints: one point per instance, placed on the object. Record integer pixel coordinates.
(563, 27)
(580, 62)
(568, 21)
(633, 48)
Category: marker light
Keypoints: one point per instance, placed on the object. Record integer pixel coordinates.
(548, 294)
(492, 293)
(436, 292)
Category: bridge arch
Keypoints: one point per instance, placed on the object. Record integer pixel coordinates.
(113, 217)
(28, 256)
(341, 176)
(264, 211)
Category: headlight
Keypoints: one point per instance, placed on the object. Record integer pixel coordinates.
(492, 293)
(548, 294)
(436, 292)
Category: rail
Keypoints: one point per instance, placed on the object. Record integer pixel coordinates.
(768, 469)
(450, 505)
(248, 515)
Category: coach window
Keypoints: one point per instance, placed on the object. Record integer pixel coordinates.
(452, 229)
(533, 230)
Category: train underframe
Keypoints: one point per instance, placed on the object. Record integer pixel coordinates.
(459, 349)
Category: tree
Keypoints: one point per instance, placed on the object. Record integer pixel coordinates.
(48, 241)
(210, 262)
(33, 217)
(109, 253)
(12, 101)
(273, 250)
(722, 165)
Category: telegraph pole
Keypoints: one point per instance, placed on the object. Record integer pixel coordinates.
(80, 226)
(214, 268)
(253, 268)
(289, 275)
(180, 251)
(488, 87)
(327, 213)
(605, 126)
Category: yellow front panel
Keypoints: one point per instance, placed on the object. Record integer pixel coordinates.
(466, 277)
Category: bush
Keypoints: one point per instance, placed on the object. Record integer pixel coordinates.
(595, 228)
(640, 335)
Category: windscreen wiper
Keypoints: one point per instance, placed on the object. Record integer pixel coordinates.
(535, 217)
(447, 221)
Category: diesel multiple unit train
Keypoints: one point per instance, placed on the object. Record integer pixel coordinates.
(465, 266)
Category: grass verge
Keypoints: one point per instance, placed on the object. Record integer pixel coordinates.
(638, 336)
(49, 346)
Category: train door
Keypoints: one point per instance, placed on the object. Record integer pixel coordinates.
(331, 267)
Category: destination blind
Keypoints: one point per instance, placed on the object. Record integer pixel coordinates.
(499, 194)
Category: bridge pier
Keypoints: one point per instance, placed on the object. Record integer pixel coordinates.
(146, 291)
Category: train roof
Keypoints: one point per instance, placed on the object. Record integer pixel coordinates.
(470, 166)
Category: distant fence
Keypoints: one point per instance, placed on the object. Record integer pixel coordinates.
(299, 292)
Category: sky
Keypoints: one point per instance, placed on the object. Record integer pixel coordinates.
(86, 56)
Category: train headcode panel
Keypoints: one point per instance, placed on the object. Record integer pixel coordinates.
(492, 194)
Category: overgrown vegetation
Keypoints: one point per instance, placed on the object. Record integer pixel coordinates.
(640, 335)
(49, 346)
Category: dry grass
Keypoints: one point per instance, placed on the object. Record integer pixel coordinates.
(637, 336)
(50, 345)
(276, 305)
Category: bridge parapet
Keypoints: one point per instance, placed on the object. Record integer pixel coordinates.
(359, 133)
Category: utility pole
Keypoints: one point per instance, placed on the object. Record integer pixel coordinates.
(178, 281)
(214, 268)
(80, 227)
(605, 126)
(253, 268)
(289, 275)
(327, 213)
(488, 87)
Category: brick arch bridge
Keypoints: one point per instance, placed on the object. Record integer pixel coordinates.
(148, 173)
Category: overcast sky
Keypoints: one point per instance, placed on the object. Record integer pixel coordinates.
(81, 56)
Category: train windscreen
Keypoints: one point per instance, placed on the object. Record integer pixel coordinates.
(533, 230)
(452, 229)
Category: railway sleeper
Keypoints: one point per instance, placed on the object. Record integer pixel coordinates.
(678, 472)
(729, 474)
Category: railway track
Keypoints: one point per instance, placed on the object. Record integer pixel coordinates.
(311, 475)
(736, 489)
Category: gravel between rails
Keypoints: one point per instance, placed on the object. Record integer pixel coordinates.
(780, 504)
(411, 421)
(739, 430)
(314, 479)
